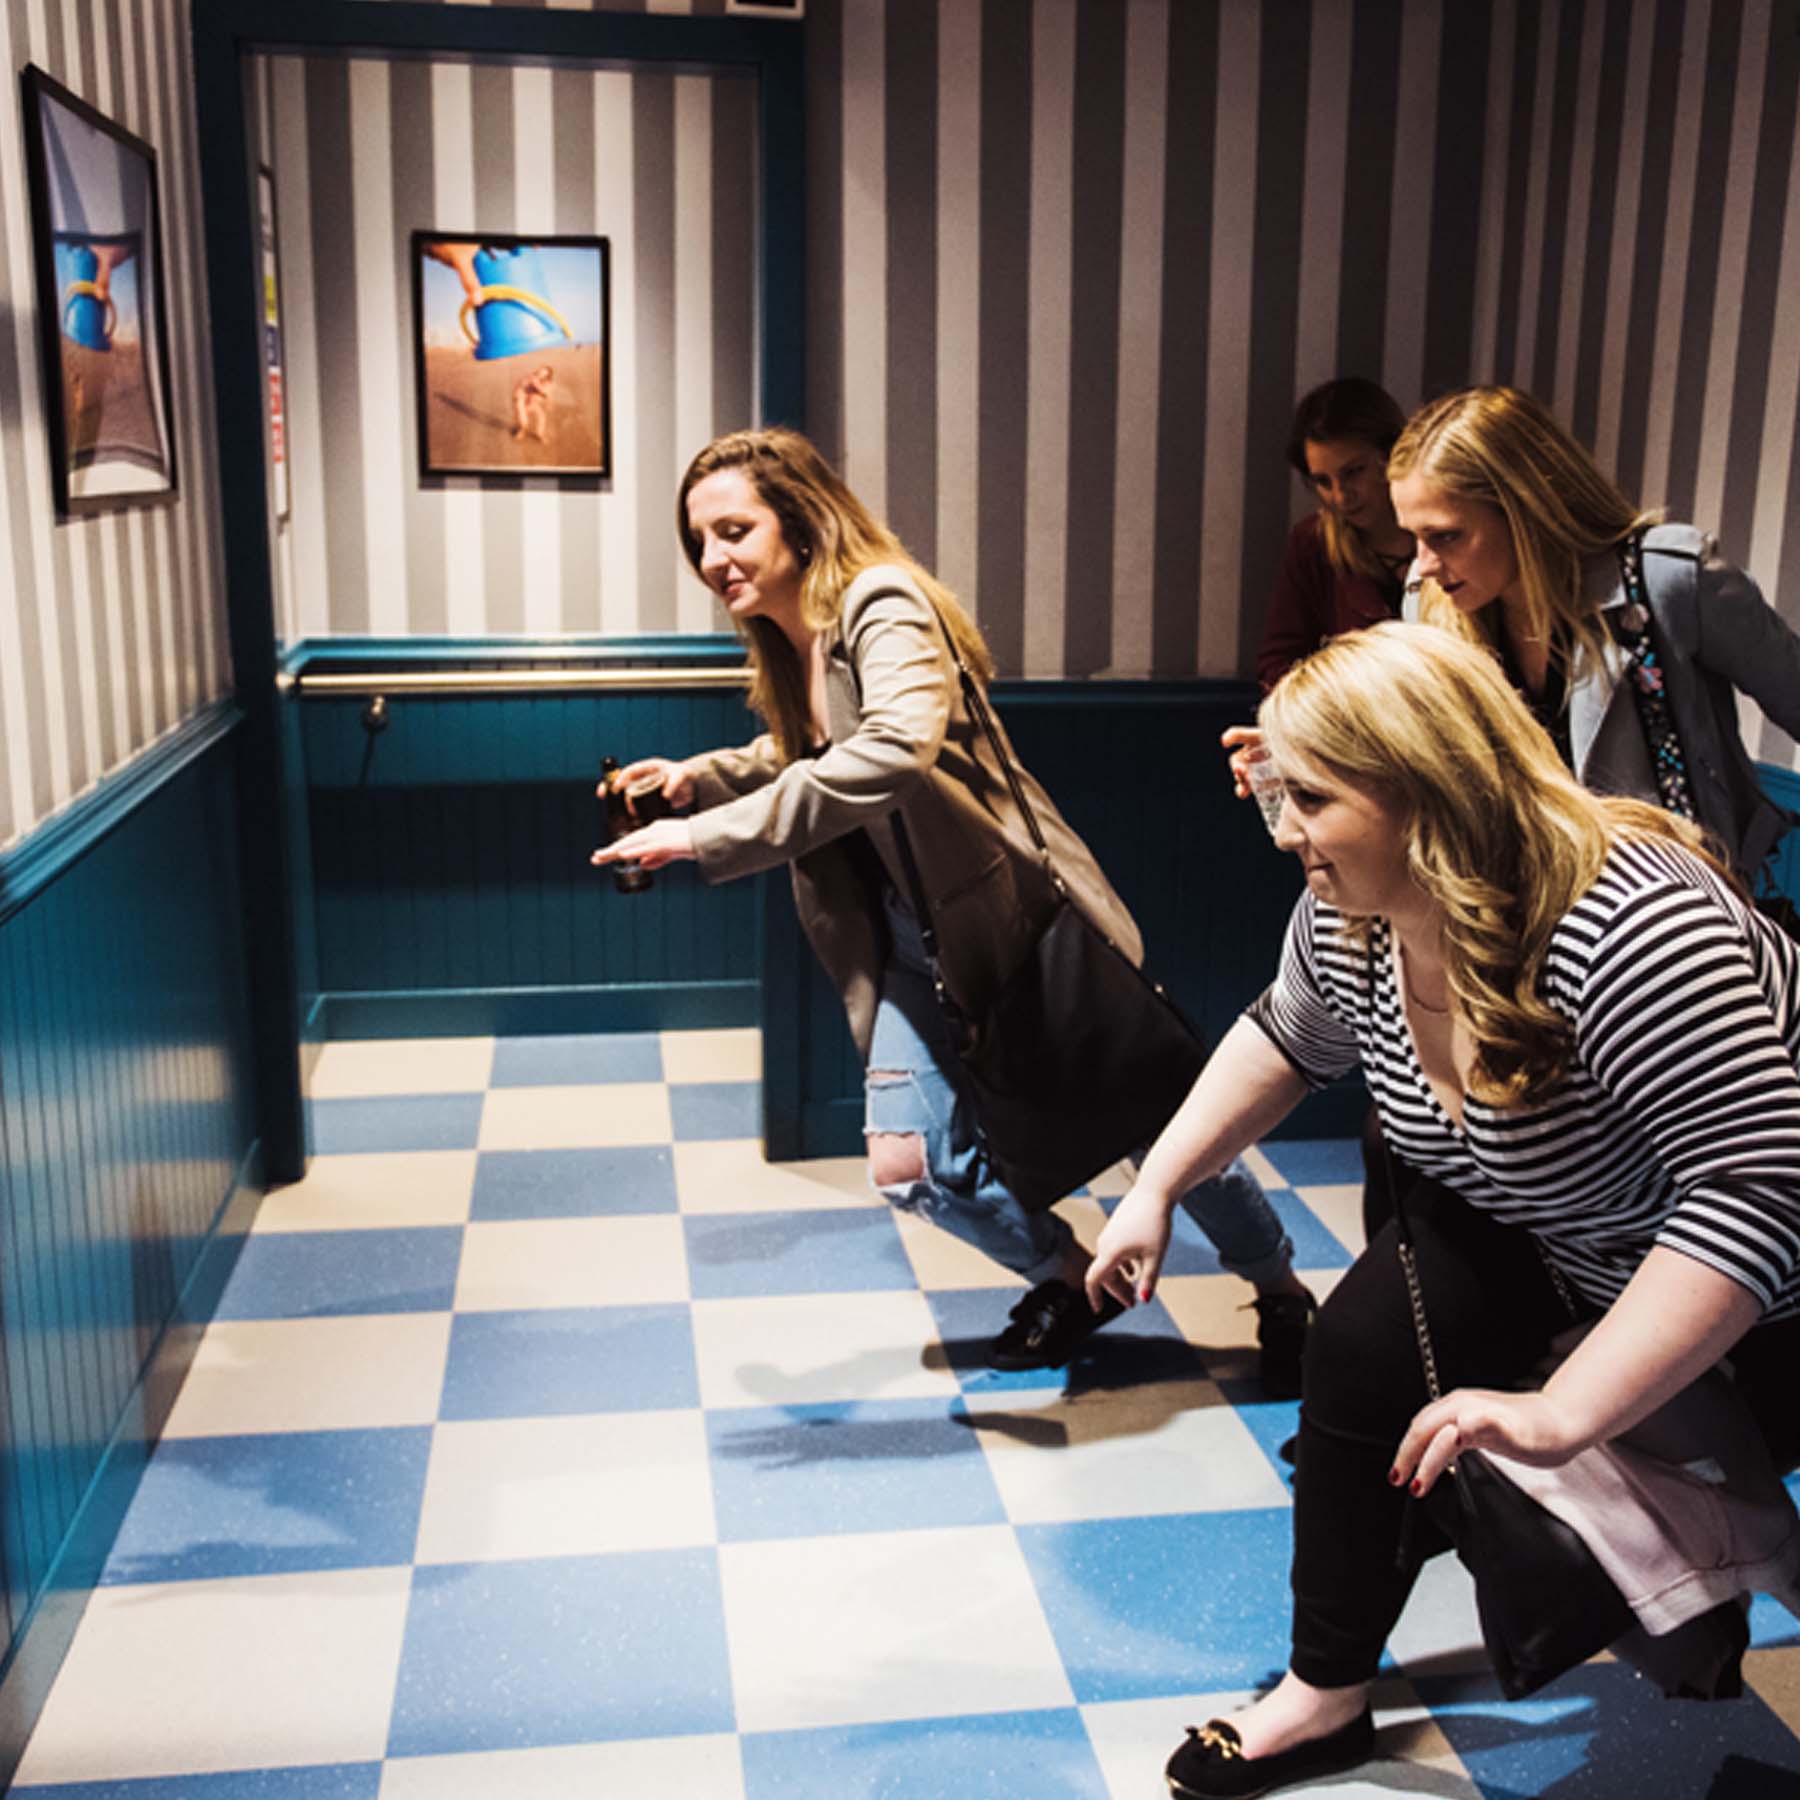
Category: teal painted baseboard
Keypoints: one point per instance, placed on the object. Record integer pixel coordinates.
(43, 1638)
(547, 1012)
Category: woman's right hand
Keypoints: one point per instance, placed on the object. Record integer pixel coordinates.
(1241, 740)
(676, 777)
(1129, 1256)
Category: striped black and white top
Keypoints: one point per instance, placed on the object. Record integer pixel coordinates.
(1678, 1121)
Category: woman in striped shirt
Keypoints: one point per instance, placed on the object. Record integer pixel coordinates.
(1571, 1018)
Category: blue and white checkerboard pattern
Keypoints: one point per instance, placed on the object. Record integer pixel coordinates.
(549, 1443)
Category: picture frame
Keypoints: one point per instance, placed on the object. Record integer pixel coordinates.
(102, 320)
(275, 409)
(512, 349)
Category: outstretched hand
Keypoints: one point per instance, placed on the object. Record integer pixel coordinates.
(1530, 1428)
(651, 847)
(1129, 1255)
(1240, 740)
(676, 777)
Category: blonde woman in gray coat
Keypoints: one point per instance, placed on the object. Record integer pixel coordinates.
(853, 677)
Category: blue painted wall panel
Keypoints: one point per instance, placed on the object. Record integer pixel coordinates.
(125, 1121)
(450, 851)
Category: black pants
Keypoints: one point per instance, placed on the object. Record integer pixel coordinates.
(1492, 1311)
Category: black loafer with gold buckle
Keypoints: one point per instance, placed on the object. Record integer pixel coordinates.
(1212, 1765)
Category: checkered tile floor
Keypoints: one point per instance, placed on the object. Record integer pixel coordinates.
(549, 1443)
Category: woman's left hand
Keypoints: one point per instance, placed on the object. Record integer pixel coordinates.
(1531, 1428)
(666, 841)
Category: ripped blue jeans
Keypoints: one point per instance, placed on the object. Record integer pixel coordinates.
(915, 1086)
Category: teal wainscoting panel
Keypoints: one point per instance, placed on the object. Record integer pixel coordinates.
(1783, 787)
(126, 1169)
(452, 888)
(1137, 769)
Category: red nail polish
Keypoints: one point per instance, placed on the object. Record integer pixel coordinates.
(1394, 1477)
(1418, 1488)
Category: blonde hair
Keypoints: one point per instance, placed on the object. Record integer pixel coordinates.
(1498, 833)
(1498, 446)
(834, 537)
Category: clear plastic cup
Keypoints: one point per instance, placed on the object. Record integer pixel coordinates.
(1266, 786)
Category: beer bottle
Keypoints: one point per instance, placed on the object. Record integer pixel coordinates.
(628, 877)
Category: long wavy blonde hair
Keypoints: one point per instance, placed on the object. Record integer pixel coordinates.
(1498, 446)
(834, 537)
(1498, 833)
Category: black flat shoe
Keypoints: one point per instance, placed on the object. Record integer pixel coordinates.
(1212, 1765)
(1048, 1326)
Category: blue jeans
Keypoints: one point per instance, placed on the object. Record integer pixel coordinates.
(915, 1086)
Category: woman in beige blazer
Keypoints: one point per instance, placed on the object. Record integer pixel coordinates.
(852, 674)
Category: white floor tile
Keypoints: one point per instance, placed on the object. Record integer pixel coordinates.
(313, 1374)
(696, 1768)
(728, 1175)
(807, 1347)
(189, 1677)
(576, 1118)
(518, 1263)
(577, 1486)
(893, 1625)
(712, 1055)
(385, 1189)
(1174, 1447)
(1338, 1206)
(348, 1070)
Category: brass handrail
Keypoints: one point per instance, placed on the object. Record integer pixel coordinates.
(503, 681)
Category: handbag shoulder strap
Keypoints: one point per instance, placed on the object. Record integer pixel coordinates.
(1645, 670)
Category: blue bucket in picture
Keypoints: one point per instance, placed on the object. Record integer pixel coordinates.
(513, 316)
(85, 312)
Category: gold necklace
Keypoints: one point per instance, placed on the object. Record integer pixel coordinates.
(1437, 1012)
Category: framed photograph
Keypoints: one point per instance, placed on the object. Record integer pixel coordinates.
(275, 394)
(511, 340)
(97, 253)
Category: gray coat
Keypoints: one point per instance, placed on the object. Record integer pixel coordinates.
(1716, 636)
(901, 739)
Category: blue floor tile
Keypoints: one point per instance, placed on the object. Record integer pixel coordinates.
(274, 1503)
(329, 1274)
(871, 1465)
(562, 1650)
(576, 1060)
(993, 1756)
(325, 1781)
(1185, 1604)
(739, 1255)
(715, 1109)
(515, 1365)
(396, 1122)
(1601, 1732)
(574, 1184)
(1317, 1162)
(1316, 1246)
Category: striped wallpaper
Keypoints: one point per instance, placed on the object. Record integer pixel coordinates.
(1070, 261)
(111, 626)
(367, 150)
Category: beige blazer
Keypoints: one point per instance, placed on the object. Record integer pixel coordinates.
(901, 739)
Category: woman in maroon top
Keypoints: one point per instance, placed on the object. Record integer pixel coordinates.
(1345, 563)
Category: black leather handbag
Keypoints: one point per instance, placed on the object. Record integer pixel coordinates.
(1545, 1604)
(1081, 1057)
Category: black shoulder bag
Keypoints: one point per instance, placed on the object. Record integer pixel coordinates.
(1545, 1604)
(1081, 1058)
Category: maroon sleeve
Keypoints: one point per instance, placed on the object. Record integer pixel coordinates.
(1301, 608)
